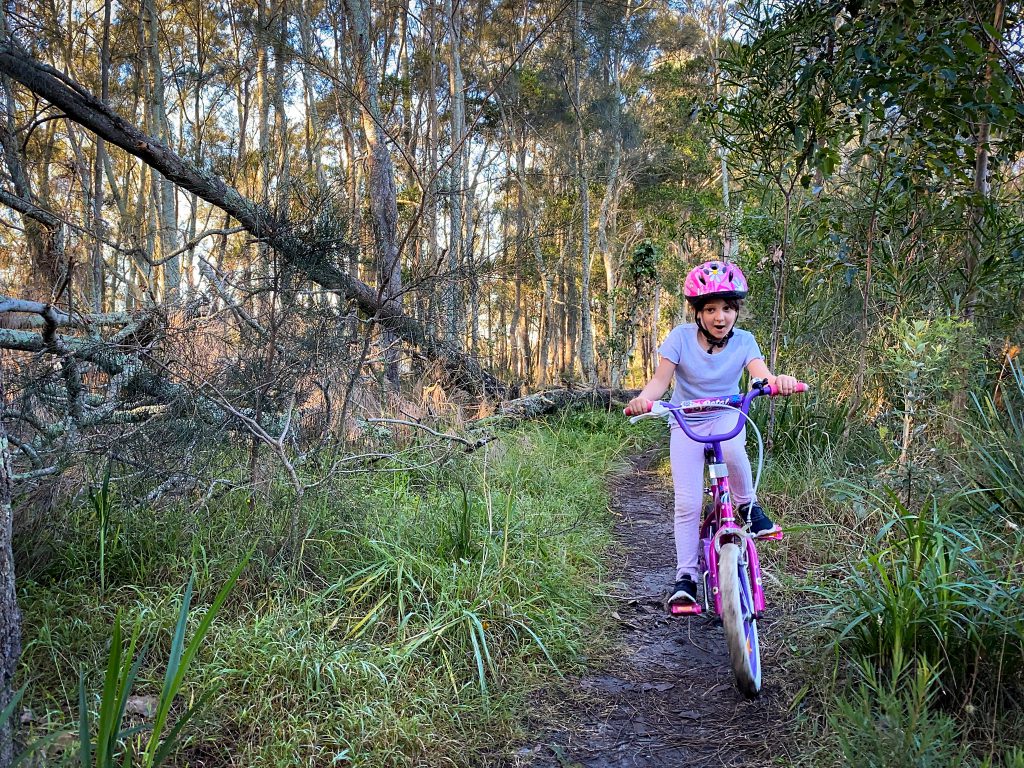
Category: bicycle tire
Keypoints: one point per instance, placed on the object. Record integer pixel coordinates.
(739, 621)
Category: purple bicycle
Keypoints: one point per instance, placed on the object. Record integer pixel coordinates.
(727, 556)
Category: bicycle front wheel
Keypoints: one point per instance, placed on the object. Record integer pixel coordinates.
(739, 620)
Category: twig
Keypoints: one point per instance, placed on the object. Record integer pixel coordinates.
(471, 445)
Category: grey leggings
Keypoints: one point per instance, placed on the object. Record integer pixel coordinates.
(687, 458)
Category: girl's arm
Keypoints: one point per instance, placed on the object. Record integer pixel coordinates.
(786, 385)
(655, 388)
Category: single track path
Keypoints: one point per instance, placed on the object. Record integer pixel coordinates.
(667, 697)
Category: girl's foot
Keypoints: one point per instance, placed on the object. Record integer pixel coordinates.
(684, 594)
(760, 525)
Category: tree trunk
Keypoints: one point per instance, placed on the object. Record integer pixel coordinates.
(975, 225)
(44, 232)
(381, 187)
(654, 337)
(10, 617)
(165, 196)
(456, 187)
(608, 257)
(314, 164)
(606, 217)
(779, 269)
(587, 361)
(430, 193)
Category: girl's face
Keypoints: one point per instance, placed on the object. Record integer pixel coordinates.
(718, 318)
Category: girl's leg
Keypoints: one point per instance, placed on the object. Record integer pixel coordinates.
(741, 478)
(687, 459)
(741, 485)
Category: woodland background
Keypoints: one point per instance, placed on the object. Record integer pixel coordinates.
(264, 261)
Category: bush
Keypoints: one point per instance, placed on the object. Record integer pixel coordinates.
(934, 593)
(888, 723)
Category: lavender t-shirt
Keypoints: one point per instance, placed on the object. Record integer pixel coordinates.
(699, 374)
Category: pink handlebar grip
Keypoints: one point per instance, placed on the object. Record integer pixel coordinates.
(801, 386)
(650, 406)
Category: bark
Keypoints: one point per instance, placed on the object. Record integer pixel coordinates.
(82, 107)
(10, 617)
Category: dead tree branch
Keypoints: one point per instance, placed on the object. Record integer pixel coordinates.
(84, 108)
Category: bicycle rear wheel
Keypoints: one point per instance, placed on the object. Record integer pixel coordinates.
(739, 621)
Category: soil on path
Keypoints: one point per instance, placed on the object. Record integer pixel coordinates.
(667, 697)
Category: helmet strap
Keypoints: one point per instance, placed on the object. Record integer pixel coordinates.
(714, 343)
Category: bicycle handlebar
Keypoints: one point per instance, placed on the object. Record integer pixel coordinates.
(740, 403)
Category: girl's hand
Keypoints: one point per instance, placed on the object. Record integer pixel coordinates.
(637, 406)
(786, 385)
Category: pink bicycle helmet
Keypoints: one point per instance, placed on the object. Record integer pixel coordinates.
(714, 279)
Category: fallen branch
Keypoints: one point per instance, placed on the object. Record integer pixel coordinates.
(84, 108)
(550, 401)
(471, 445)
(41, 313)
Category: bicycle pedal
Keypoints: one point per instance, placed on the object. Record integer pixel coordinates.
(685, 609)
(777, 536)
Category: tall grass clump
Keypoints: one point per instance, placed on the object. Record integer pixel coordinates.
(888, 721)
(944, 596)
(937, 593)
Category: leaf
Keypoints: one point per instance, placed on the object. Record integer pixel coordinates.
(973, 45)
(181, 658)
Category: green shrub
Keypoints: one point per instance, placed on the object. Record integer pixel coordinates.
(888, 722)
(934, 593)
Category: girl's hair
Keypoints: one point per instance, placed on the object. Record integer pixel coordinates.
(731, 303)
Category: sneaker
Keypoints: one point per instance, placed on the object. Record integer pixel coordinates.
(760, 525)
(685, 592)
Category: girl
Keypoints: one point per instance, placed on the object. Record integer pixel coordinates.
(706, 359)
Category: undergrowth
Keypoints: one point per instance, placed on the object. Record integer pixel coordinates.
(425, 604)
(915, 591)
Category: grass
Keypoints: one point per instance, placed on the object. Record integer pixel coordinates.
(426, 604)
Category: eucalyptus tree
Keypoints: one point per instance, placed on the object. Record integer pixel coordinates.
(586, 341)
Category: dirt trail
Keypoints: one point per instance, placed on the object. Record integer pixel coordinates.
(668, 698)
